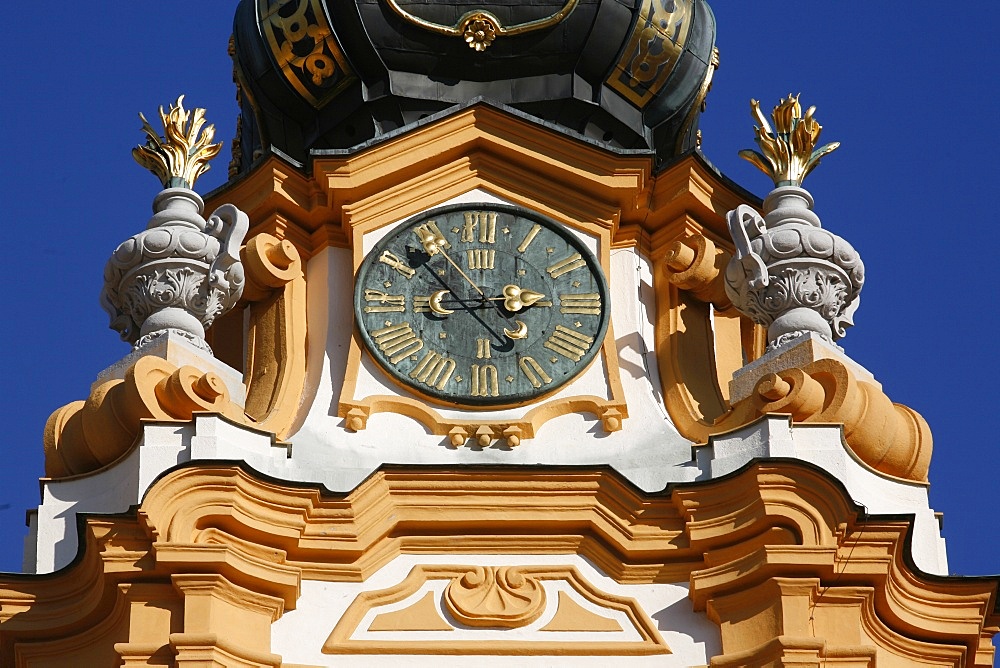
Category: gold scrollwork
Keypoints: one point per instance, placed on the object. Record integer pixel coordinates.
(654, 48)
(303, 44)
(479, 27)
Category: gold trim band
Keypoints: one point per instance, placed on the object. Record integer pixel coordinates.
(479, 27)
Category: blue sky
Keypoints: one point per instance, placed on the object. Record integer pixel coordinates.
(909, 92)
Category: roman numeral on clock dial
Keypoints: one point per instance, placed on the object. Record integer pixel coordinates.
(484, 380)
(587, 303)
(389, 258)
(480, 226)
(434, 370)
(566, 265)
(431, 228)
(533, 371)
(397, 342)
(385, 303)
(480, 258)
(569, 343)
(529, 237)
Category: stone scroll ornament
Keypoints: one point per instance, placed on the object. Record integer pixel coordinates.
(183, 271)
(789, 274)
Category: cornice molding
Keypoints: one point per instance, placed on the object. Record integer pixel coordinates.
(778, 538)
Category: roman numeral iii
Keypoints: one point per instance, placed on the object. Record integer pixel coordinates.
(480, 258)
(587, 303)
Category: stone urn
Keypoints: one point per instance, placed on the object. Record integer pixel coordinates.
(183, 271)
(178, 274)
(789, 274)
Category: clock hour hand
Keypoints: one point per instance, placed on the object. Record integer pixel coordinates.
(519, 333)
(515, 298)
(434, 302)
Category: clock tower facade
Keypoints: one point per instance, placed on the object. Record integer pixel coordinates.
(481, 366)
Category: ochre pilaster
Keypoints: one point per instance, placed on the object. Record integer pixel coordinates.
(224, 624)
(154, 609)
(275, 365)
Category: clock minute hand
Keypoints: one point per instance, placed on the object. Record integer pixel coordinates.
(434, 244)
(515, 297)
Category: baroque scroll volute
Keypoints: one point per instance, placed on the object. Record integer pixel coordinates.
(490, 596)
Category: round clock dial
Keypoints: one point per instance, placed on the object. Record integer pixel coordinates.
(482, 305)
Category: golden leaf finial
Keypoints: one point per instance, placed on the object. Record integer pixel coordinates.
(181, 156)
(789, 154)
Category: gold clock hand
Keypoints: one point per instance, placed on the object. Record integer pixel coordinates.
(519, 333)
(434, 244)
(516, 298)
(459, 270)
(434, 303)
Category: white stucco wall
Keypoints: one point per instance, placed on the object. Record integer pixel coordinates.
(300, 634)
(648, 450)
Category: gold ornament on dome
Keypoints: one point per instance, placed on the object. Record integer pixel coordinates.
(182, 154)
(479, 27)
(788, 155)
(303, 45)
(654, 48)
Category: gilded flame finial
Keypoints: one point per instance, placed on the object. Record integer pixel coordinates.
(182, 155)
(789, 154)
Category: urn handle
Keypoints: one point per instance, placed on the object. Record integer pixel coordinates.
(229, 225)
(746, 224)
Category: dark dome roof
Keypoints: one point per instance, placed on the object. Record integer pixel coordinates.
(334, 74)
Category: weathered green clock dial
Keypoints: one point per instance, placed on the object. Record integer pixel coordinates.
(481, 305)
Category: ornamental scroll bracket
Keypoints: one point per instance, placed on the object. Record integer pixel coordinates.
(479, 28)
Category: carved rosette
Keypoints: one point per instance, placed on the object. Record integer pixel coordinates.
(789, 274)
(180, 273)
(488, 596)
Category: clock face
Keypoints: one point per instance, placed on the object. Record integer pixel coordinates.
(481, 305)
